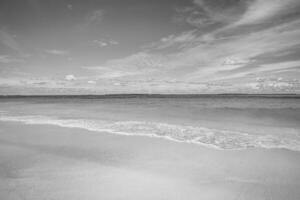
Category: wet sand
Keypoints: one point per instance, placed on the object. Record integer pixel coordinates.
(48, 162)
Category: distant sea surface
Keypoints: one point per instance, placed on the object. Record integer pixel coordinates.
(216, 121)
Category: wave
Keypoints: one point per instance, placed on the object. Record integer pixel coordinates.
(213, 138)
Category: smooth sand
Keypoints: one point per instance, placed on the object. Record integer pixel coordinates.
(48, 162)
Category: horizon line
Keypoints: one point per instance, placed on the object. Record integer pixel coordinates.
(133, 95)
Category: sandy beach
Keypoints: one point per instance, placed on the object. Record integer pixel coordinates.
(48, 162)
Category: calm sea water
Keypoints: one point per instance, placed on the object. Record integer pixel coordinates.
(219, 122)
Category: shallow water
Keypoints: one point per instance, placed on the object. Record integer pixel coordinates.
(220, 122)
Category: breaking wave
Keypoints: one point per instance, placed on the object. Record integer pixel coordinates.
(214, 138)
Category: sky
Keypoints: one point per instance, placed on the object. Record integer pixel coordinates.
(149, 46)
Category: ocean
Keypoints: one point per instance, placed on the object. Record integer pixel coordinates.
(223, 122)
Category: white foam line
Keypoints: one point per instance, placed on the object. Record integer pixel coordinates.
(247, 141)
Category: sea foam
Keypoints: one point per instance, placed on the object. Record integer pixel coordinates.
(213, 138)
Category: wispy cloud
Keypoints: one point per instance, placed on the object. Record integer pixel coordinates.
(70, 7)
(134, 65)
(236, 13)
(95, 16)
(109, 72)
(9, 59)
(9, 41)
(91, 19)
(259, 11)
(70, 77)
(181, 40)
(57, 52)
(280, 66)
(92, 82)
(105, 42)
(208, 13)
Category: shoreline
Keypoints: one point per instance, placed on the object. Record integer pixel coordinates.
(215, 146)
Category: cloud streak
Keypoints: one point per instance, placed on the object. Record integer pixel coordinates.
(57, 52)
(260, 11)
(6, 59)
(105, 42)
